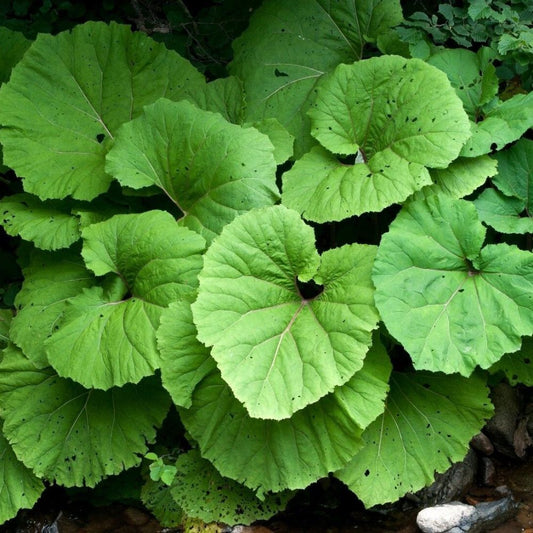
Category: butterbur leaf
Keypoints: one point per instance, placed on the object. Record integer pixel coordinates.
(515, 172)
(14, 45)
(517, 366)
(390, 104)
(462, 177)
(452, 303)
(291, 453)
(69, 94)
(471, 74)
(184, 360)
(50, 279)
(503, 213)
(289, 46)
(277, 347)
(20, 488)
(428, 422)
(224, 96)
(503, 124)
(282, 140)
(76, 436)
(49, 225)
(396, 117)
(6, 315)
(203, 493)
(211, 169)
(323, 189)
(158, 499)
(106, 338)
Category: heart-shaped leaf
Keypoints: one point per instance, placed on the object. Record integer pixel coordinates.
(278, 347)
(452, 303)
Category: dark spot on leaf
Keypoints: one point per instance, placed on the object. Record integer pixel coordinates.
(367, 472)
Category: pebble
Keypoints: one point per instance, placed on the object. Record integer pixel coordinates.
(501, 427)
(482, 444)
(441, 518)
(456, 517)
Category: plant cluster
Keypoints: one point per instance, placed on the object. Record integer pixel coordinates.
(505, 27)
(316, 265)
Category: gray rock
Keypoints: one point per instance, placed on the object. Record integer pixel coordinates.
(487, 471)
(482, 444)
(458, 517)
(450, 485)
(492, 514)
(442, 518)
(501, 427)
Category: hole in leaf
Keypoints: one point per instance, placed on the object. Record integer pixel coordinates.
(100, 138)
(309, 290)
(347, 160)
(279, 73)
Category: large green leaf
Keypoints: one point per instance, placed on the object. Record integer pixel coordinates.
(6, 316)
(19, 487)
(157, 498)
(452, 303)
(106, 338)
(462, 177)
(13, 45)
(288, 454)
(50, 279)
(184, 360)
(277, 348)
(396, 116)
(69, 94)
(515, 172)
(49, 225)
(203, 493)
(72, 435)
(428, 422)
(288, 46)
(211, 169)
(504, 213)
(224, 96)
(518, 366)
(471, 74)
(504, 123)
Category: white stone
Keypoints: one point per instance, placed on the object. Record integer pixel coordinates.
(443, 517)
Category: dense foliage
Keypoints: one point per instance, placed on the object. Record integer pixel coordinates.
(311, 267)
